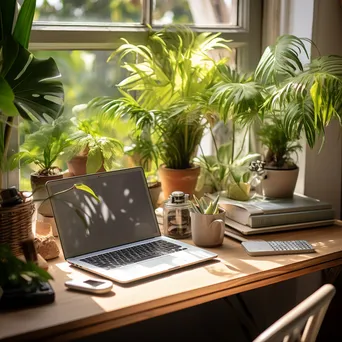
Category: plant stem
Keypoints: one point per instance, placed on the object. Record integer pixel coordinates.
(7, 136)
(243, 144)
(233, 142)
(214, 141)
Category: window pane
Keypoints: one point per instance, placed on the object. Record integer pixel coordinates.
(85, 75)
(89, 11)
(195, 12)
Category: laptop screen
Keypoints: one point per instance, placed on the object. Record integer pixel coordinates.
(123, 215)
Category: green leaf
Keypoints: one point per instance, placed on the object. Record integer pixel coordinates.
(83, 187)
(204, 204)
(316, 95)
(199, 205)
(210, 209)
(6, 99)
(8, 53)
(94, 160)
(7, 10)
(215, 203)
(224, 153)
(281, 59)
(22, 29)
(37, 90)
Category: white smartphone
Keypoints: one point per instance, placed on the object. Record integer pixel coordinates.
(90, 285)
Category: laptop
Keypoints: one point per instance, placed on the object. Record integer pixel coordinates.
(117, 237)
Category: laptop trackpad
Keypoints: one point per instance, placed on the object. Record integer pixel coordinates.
(154, 266)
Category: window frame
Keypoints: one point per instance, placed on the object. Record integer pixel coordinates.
(245, 36)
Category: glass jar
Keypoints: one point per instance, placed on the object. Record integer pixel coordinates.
(177, 223)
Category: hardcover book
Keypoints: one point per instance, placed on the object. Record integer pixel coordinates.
(259, 212)
(246, 230)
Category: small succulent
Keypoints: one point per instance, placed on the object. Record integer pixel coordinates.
(203, 207)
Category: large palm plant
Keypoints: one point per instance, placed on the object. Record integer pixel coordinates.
(28, 87)
(286, 97)
(161, 94)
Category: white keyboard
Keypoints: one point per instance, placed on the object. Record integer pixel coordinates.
(260, 247)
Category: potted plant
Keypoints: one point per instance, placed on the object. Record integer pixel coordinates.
(207, 222)
(287, 100)
(29, 86)
(43, 148)
(90, 150)
(227, 171)
(18, 274)
(168, 76)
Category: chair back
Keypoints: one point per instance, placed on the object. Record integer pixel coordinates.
(303, 322)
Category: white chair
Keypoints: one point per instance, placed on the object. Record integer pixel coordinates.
(303, 322)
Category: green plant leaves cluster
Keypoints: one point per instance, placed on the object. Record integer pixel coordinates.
(203, 207)
(283, 96)
(87, 138)
(169, 76)
(15, 272)
(44, 146)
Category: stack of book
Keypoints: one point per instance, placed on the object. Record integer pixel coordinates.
(259, 215)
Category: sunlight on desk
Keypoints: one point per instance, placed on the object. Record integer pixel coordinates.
(75, 314)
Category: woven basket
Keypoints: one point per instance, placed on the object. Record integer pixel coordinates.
(16, 225)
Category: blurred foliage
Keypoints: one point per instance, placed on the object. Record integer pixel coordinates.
(86, 74)
(123, 11)
(93, 137)
(15, 273)
(44, 146)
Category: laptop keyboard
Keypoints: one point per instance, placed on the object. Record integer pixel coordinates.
(133, 254)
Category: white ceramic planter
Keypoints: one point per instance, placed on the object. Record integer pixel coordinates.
(207, 230)
(278, 183)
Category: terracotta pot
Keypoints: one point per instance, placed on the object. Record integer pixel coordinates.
(178, 180)
(278, 183)
(39, 192)
(155, 190)
(77, 166)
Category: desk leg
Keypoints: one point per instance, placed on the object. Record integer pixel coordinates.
(249, 326)
(330, 275)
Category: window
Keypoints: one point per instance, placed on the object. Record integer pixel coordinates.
(80, 35)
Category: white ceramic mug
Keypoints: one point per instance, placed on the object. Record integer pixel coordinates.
(208, 230)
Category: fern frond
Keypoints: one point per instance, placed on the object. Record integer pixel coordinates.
(281, 60)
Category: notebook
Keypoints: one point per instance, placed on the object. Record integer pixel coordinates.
(117, 237)
(246, 230)
(262, 212)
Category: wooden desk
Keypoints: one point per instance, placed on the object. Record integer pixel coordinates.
(78, 314)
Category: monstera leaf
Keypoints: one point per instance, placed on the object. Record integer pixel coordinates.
(26, 83)
(7, 98)
(36, 89)
(29, 87)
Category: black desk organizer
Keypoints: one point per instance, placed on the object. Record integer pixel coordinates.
(36, 294)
